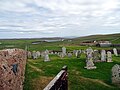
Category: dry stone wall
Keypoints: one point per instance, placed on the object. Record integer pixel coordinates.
(12, 69)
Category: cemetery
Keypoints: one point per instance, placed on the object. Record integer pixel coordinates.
(59, 44)
(39, 66)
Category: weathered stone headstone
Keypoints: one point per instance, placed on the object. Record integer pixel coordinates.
(38, 54)
(89, 54)
(69, 55)
(34, 55)
(59, 53)
(103, 56)
(74, 52)
(109, 56)
(12, 69)
(89, 60)
(79, 53)
(116, 74)
(46, 57)
(90, 65)
(29, 54)
(47, 51)
(62, 55)
(51, 53)
(55, 52)
(115, 52)
(89, 50)
(64, 51)
(96, 56)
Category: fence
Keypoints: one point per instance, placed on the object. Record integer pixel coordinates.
(60, 82)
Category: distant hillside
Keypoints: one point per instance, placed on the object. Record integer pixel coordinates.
(114, 38)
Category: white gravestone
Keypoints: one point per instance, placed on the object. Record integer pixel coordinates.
(62, 55)
(96, 56)
(34, 55)
(103, 56)
(79, 53)
(46, 57)
(47, 51)
(38, 54)
(89, 50)
(29, 54)
(115, 52)
(76, 53)
(109, 56)
(64, 50)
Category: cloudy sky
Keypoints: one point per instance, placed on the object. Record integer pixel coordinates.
(58, 18)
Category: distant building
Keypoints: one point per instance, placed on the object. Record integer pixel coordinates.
(88, 43)
(96, 43)
(104, 43)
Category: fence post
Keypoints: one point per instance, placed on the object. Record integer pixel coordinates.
(60, 82)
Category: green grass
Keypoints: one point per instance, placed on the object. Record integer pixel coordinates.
(78, 77)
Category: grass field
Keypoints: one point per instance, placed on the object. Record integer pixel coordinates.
(39, 74)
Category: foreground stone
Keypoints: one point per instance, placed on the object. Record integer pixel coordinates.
(116, 74)
(12, 69)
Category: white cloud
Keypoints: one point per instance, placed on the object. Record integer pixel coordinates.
(53, 16)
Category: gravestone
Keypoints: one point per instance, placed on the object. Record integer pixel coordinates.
(55, 52)
(64, 51)
(115, 52)
(46, 57)
(51, 53)
(34, 55)
(29, 54)
(42, 54)
(90, 65)
(79, 53)
(74, 52)
(47, 51)
(103, 56)
(69, 55)
(38, 54)
(109, 56)
(116, 74)
(89, 54)
(96, 56)
(89, 60)
(89, 50)
(58, 54)
(61, 55)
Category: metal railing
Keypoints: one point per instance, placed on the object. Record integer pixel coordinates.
(60, 82)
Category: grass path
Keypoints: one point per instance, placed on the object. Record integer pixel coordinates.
(97, 81)
(34, 67)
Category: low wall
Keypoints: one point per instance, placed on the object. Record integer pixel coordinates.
(12, 69)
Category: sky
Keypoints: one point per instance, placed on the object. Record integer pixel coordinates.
(58, 18)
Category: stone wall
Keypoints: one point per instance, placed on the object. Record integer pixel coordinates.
(12, 69)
